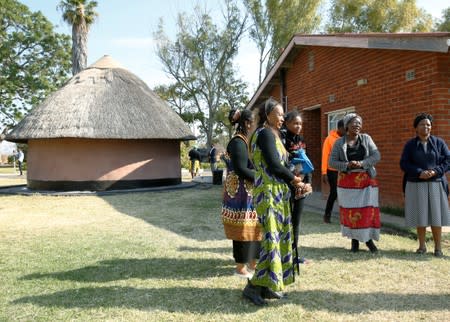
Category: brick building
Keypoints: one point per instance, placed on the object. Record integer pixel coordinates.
(385, 78)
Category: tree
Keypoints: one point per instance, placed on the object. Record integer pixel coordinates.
(444, 24)
(236, 96)
(80, 14)
(377, 16)
(179, 99)
(34, 60)
(200, 60)
(274, 22)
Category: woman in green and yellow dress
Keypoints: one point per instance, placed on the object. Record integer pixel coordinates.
(271, 194)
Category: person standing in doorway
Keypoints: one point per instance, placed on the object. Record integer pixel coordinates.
(329, 174)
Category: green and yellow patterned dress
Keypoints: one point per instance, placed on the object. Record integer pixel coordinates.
(271, 199)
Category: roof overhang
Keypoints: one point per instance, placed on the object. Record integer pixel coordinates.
(430, 42)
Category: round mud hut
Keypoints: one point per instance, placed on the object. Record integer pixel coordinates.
(103, 130)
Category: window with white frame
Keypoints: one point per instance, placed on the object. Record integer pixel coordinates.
(335, 116)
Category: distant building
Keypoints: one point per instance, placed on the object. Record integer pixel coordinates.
(6, 148)
(386, 78)
(104, 129)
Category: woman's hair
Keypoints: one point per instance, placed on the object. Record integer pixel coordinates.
(349, 117)
(422, 116)
(264, 109)
(239, 117)
(292, 115)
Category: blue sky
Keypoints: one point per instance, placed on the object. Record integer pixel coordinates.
(124, 30)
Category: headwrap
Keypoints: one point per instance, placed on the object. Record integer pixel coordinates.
(350, 116)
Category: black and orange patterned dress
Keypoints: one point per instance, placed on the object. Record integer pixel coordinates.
(238, 215)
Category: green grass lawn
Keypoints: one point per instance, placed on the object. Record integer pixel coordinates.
(9, 177)
(162, 256)
(9, 170)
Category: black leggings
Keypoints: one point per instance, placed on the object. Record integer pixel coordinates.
(246, 251)
(332, 181)
(296, 212)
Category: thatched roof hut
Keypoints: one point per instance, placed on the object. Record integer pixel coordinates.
(104, 129)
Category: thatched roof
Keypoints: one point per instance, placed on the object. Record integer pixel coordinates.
(104, 101)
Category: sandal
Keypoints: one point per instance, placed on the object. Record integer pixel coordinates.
(421, 251)
(247, 275)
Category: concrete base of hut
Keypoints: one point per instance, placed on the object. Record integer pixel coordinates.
(99, 185)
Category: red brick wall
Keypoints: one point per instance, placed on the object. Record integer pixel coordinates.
(387, 104)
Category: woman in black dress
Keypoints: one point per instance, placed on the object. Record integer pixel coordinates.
(238, 213)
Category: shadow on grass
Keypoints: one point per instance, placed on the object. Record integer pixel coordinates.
(215, 250)
(345, 255)
(193, 213)
(206, 300)
(185, 269)
(123, 269)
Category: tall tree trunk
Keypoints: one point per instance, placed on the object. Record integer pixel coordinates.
(79, 48)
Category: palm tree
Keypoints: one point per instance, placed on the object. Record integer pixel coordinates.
(80, 15)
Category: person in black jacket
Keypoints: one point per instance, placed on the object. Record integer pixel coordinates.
(239, 216)
(293, 141)
(194, 157)
(425, 161)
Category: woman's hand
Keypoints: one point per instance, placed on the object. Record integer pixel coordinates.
(354, 165)
(307, 188)
(427, 174)
(297, 182)
(303, 190)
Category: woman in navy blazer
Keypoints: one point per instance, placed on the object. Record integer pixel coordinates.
(425, 161)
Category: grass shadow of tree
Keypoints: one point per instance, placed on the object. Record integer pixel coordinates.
(128, 268)
(193, 213)
(219, 300)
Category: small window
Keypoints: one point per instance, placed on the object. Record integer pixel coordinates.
(335, 116)
(410, 75)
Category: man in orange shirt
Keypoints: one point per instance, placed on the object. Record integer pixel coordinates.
(330, 175)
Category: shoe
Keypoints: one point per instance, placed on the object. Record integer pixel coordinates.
(373, 249)
(267, 293)
(253, 293)
(438, 253)
(326, 219)
(421, 251)
(355, 246)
